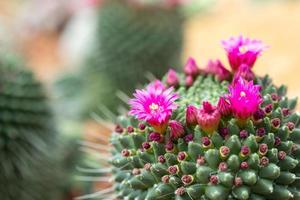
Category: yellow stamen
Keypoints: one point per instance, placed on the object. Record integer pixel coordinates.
(243, 49)
(153, 106)
(242, 94)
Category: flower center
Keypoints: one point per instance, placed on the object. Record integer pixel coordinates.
(243, 94)
(154, 107)
(243, 49)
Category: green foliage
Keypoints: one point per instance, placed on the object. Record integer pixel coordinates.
(29, 164)
(141, 173)
(130, 43)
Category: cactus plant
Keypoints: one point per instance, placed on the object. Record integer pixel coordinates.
(29, 164)
(212, 135)
(145, 38)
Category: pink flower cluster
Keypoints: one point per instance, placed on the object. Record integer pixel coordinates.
(156, 103)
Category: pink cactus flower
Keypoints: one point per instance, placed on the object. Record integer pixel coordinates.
(241, 50)
(153, 106)
(176, 129)
(244, 98)
(224, 106)
(216, 68)
(172, 78)
(191, 67)
(208, 117)
(191, 115)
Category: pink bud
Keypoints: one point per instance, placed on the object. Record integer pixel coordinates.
(146, 145)
(147, 166)
(277, 141)
(187, 179)
(169, 146)
(264, 161)
(208, 117)
(214, 179)
(189, 81)
(275, 123)
(154, 136)
(161, 159)
(245, 151)
(285, 112)
(200, 160)
(165, 179)
(245, 72)
(142, 126)
(191, 115)
(172, 78)
(244, 134)
(118, 128)
(244, 165)
(125, 153)
(176, 129)
(130, 129)
(215, 67)
(224, 151)
(263, 149)
(191, 67)
(291, 126)
(181, 156)
(173, 169)
(223, 166)
(206, 141)
(268, 108)
(180, 191)
(224, 106)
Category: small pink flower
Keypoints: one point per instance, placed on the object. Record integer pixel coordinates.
(172, 78)
(191, 115)
(241, 50)
(245, 72)
(176, 129)
(208, 117)
(191, 67)
(216, 68)
(224, 106)
(153, 106)
(244, 98)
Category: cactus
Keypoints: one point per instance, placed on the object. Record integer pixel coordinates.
(29, 164)
(213, 135)
(143, 38)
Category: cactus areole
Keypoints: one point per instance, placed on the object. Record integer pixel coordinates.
(210, 138)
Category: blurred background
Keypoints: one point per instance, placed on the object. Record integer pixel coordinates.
(88, 54)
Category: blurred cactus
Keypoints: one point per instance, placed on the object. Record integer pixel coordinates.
(143, 39)
(29, 161)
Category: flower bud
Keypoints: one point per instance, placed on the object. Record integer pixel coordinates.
(191, 68)
(224, 107)
(208, 117)
(191, 115)
(172, 78)
(176, 129)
